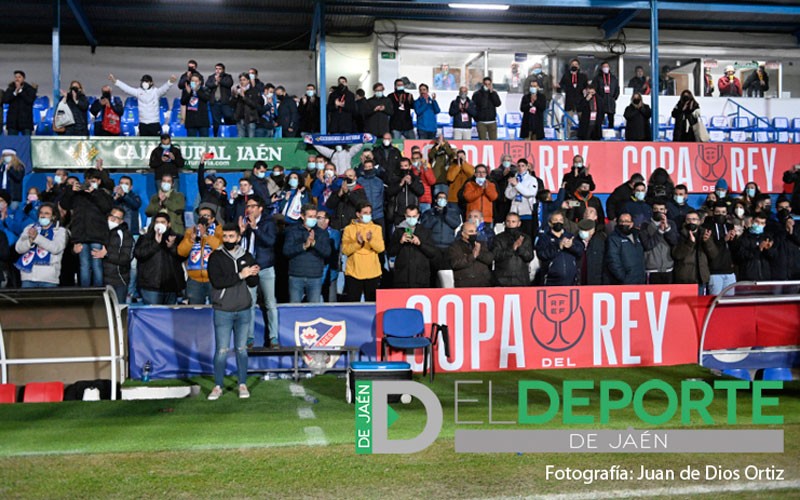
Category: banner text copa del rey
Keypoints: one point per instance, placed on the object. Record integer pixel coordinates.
(697, 165)
(495, 329)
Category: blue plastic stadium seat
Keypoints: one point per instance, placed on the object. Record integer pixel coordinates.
(176, 103)
(513, 120)
(43, 101)
(163, 103)
(177, 129)
(782, 127)
(784, 374)
(443, 119)
(45, 125)
(128, 129)
(130, 115)
(228, 131)
(131, 102)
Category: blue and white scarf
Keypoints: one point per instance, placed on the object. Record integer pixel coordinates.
(518, 197)
(36, 256)
(198, 256)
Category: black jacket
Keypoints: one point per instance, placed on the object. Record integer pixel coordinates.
(225, 84)
(559, 265)
(754, 264)
(752, 85)
(610, 98)
(306, 263)
(163, 165)
(89, 214)
(637, 123)
(117, 262)
(684, 121)
(345, 206)
(79, 109)
(412, 265)
(586, 131)
(789, 177)
(20, 107)
(377, 122)
(723, 262)
(457, 108)
(98, 110)
(401, 118)
(340, 119)
(230, 292)
(593, 259)
(617, 200)
(573, 92)
(511, 266)
(159, 266)
(468, 271)
(288, 117)
(532, 122)
(486, 104)
(399, 197)
(196, 118)
(309, 115)
(247, 106)
(388, 158)
(625, 259)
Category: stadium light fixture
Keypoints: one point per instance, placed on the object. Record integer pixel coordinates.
(478, 6)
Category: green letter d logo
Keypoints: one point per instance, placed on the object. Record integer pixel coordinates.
(433, 410)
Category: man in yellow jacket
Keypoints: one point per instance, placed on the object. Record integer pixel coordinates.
(362, 241)
(197, 245)
(458, 173)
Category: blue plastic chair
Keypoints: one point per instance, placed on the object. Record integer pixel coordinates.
(229, 131)
(404, 330)
(784, 374)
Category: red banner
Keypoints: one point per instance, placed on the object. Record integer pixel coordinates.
(698, 166)
(494, 329)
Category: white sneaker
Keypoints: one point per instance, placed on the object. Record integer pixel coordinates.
(215, 393)
(243, 392)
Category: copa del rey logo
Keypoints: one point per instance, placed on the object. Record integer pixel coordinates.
(558, 320)
(320, 332)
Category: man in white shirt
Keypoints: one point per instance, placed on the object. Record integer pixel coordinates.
(148, 97)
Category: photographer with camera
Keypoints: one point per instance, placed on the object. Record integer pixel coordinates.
(197, 244)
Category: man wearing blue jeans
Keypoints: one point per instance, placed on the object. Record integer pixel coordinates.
(231, 271)
(259, 234)
(307, 247)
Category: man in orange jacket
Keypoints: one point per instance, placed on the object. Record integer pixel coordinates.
(197, 244)
(480, 193)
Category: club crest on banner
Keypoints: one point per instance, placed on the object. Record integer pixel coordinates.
(710, 163)
(320, 332)
(520, 149)
(558, 320)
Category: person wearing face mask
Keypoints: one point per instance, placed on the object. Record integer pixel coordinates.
(677, 206)
(346, 201)
(577, 175)
(639, 82)
(458, 173)
(692, 254)
(330, 274)
(440, 156)
(757, 82)
(219, 84)
(78, 105)
(378, 111)
(637, 120)
(117, 254)
(362, 242)
(558, 251)
(160, 275)
(621, 196)
(542, 79)
(486, 101)
(442, 221)
(792, 176)
(267, 125)
(195, 97)
(107, 111)
(168, 200)
(625, 254)
(755, 251)
(592, 242)
(403, 189)
(462, 110)
(586, 199)
(412, 249)
(264, 184)
(325, 185)
(729, 84)
(129, 201)
(659, 236)
(12, 172)
(27, 213)
(293, 198)
(196, 246)
(592, 108)
(607, 86)
(721, 190)
(723, 237)
(386, 156)
(572, 84)
(426, 109)
(248, 104)
(637, 207)
(340, 155)
(471, 260)
(400, 123)
(686, 114)
(485, 229)
(148, 98)
(20, 96)
(186, 76)
(532, 106)
(166, 159)
(749, 193)
(287, 117)
(341, 109)
(213, 190)
(309, 111)
(521, 191)
(423, 170)
(88, 206)
(480, 194)
(374, 189)
(513, 252)
(55, 186)
(232, 271)
(41, 248)
(307, 247)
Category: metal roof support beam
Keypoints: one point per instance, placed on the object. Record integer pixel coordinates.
(322, 54)
(83, 22)
(312, 42)
(56, 51)
(655, 72)
(616, 23)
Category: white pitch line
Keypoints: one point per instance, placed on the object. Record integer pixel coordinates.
(315, 436)
(306, 413)
(668, 491)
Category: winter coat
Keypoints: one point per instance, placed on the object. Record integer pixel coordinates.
(457, 176)
(164, 165)
(159, 266)
(753, 87)
(511, 266)
(89, 214)
(173, 205)
(99, 111)
(387, 157)
(341, 159)
(20, 106)
(344, 206)
(572, 84)
(428, 178)
(79, 109)
(587, 131)
(576, 214)
(545, 84)
(754, 264)
(412, 265)
(594, 256)
(442, 223)
(229, 291)
(793, 177)
(426, 114)
(265, 234)
(486, 104)
(373, 188)
(44, 273)
(637, 123)
(148, 100)
(196, 103)
(306, 263)
(117, 262)
(677, 213)
(468, 271)
(640, 211)
(340, 118)
(729, 88)
(309, 115)
(601, 81)
(288, 117)
(525, 190)
(658, 246)
(399, 197)
(615, 204)
(377, 122)
(362, 260)
(691, 258)
(625, 259)
(458, 108)
(225, 84)
(481, 198)
(11, 179)
(533, 110)
(559, 265)
(403, 103)
(440, 157)
(248, 108)
(723, 262)
(684, 121)
(190, 237)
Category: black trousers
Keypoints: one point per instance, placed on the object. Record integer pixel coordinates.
(654, 278)
(354, 288)
(149, 129)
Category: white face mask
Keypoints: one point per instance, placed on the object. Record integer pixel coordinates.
(584, 235)
(7, 159)
(739, 212)
(160, 228)
(146, 85)
(166, 186)
(338, 148)
(125, 188)
(94, 185)
(57, 179)
(112, 225)
(387, 142)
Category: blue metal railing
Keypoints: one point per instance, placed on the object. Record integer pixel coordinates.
(754, 128)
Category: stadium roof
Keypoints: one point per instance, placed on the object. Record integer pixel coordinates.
(287, 24)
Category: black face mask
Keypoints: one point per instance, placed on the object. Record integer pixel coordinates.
(229, 245)
(369, 173)
(720, 219)
(279, 179)
(626, 230)
(573, 69)
(783, 213)
(558, 226)
(658, 216)
(472, 238)
(583, 194)
(691, 226)
(107, 95)
(637, 101)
